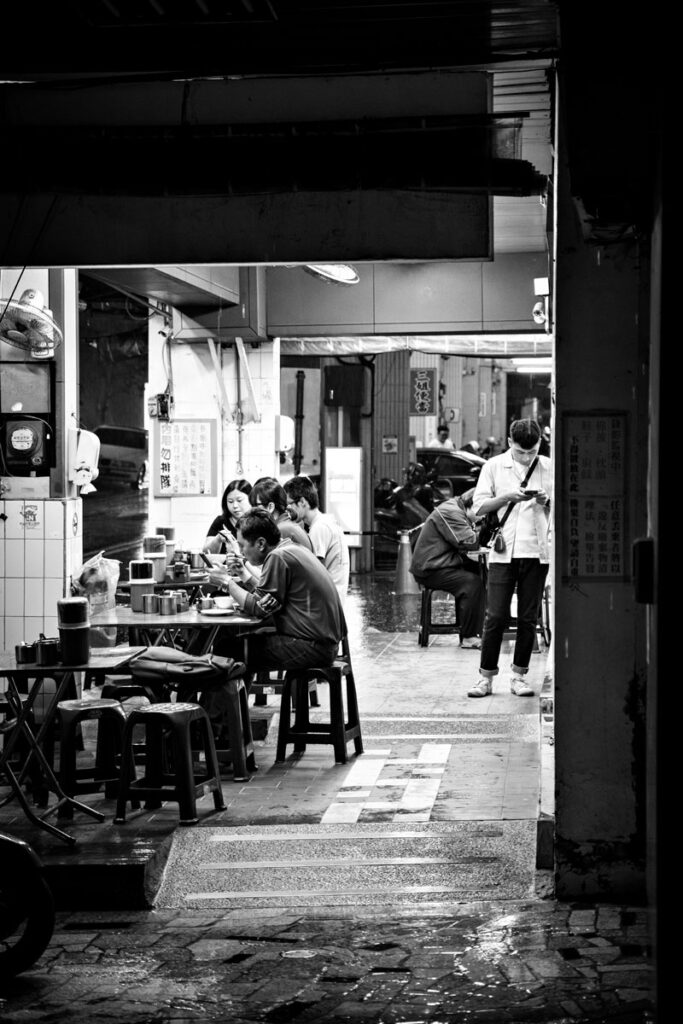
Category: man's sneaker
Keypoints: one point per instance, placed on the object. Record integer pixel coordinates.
(520, 687)
(473, 643)
(481, 689)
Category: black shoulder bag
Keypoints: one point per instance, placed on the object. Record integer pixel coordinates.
(497, 540)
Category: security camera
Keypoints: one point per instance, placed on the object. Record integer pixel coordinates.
(539, 314)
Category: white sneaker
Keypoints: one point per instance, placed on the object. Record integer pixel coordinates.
(473, 643)
(482, 688)
(520, 687)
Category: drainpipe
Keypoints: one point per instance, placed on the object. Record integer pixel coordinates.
(239, 419)
(297, 456)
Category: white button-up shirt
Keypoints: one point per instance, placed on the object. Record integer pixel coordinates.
(527, 526)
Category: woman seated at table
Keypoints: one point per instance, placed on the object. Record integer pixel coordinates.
(222, 534)
(268, 493)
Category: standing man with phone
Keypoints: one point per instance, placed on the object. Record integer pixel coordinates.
(519, 479)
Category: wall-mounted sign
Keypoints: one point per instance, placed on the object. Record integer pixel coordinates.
(594, 472)
(184, 455)
(390, 444)
(423, 392)
(343, 490)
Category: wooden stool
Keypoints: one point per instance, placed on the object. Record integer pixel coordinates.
(108, 766)
(169, 746)
(338, 731)
(427, 627)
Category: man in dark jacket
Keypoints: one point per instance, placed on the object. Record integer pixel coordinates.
(441, 562)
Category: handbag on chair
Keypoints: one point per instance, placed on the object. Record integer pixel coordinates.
(173, 670)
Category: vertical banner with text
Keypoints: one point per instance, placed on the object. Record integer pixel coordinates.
(423, 392)
(594, 471)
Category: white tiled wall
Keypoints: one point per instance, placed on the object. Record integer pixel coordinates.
(247, 451)
(41, 543)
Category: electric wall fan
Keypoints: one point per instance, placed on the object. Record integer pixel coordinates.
(27, 324)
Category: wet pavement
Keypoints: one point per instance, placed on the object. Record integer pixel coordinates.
(499, 962)
(403, 886)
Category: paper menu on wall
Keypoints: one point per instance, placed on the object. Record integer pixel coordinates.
(184, 458)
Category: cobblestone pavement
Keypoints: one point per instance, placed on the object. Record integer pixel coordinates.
(484, 962)
(485, 943)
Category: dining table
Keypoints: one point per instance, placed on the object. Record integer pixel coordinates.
(22, 735)
(193, 630)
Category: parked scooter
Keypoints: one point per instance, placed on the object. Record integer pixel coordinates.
(404, 507)
(27, 910)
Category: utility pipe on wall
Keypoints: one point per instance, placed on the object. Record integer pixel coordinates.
(297, 456)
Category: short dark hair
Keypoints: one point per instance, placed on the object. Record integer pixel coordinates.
(269, 489)
(443, 427)
(235, 485)
(259, 523)
(526, 433)
(302, 487)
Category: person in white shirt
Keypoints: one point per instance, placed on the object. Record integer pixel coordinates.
(523, 565)
(442, 440)
(325, 533)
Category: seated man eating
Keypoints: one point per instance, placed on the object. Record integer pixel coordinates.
(295, 593)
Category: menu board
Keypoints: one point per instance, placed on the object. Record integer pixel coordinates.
(184, 458)
(594, 468)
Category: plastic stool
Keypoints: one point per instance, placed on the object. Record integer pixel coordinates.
(263, 684)
(339, 730)
(169, 746)
(427, 627)
(108, 766)
(241, 744)
(8, 724)
(124, 688)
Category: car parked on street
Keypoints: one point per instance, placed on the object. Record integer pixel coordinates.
(123, 455)
(450, 472)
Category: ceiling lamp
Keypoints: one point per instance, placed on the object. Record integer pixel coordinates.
(532, 365)
(333, 273)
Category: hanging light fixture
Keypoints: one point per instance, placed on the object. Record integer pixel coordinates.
(333, 273)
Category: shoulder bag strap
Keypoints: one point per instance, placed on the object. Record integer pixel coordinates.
(524, 482)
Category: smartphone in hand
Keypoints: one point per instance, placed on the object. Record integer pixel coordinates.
(529, 493)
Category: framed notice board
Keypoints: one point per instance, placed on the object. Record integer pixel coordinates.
(594, 479)
(184, 458)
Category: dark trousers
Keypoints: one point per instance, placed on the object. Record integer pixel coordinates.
(468, 590)
(266, 649)
(528, 576)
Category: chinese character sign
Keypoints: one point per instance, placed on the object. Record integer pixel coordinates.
(594, 476)
(423, 392)
(185, 455)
